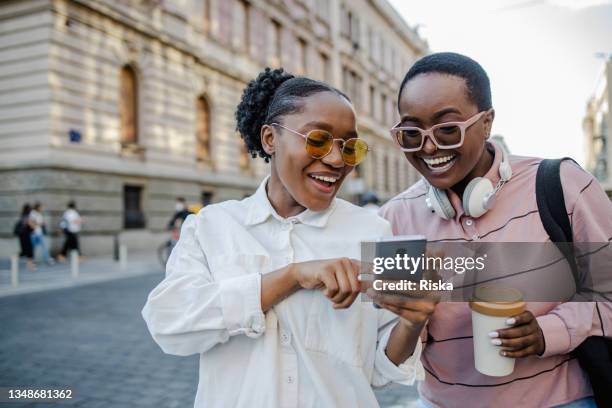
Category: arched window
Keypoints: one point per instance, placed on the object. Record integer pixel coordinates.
(202, 129)
(128, 106)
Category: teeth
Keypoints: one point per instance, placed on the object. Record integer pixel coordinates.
(438, 160)
(324, 178)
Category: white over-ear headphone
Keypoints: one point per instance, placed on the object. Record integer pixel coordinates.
(478, 196)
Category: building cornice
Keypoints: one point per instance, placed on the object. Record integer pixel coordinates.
(400, 26)
(208, 59)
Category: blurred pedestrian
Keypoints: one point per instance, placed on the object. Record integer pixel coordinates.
(370, 202)
(37, 223)
(71, 226)
(180, 213)
(23, 231)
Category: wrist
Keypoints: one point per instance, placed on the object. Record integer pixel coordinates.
(410, 326)
(291, 272)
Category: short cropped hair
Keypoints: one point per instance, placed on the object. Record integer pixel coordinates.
(476, 79)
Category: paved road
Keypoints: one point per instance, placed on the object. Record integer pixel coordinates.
(93, 339)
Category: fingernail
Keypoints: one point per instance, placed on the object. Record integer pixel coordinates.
(496, 342)
(493, 334)
(359, 277)
(503, 353)
(511, 321)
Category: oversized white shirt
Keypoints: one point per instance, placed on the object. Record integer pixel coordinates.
(73, 220)
(301, 352)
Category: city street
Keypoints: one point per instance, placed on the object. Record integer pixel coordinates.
(92, 338)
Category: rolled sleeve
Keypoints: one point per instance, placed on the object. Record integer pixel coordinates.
(190, 311)
(406, 373)
(241, 305)
(556, 335)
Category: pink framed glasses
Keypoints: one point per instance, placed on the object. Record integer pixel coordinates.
(447, 135)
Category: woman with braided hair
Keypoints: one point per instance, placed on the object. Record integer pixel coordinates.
(264, 289)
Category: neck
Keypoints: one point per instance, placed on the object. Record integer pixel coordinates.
(480, 169)
(282, 201)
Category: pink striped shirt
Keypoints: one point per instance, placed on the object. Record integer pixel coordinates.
(554, 378)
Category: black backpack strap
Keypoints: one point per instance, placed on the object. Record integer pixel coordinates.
(552, 210)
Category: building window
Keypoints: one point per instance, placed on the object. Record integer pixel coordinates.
(302, 56)
(324, 67)
(386, 182)
(128, 106)
(242, 26)
(207, 15)
(351, 84)
(202, 130)
(355, 33)
(277, 32)
(398, 180)
(349, 26)
(345, 17)
(355, 88)
(379, 50)
(374, 164)
(245, 158)
(370, 42)
(383, 108)
(225, 19)
(322, 9)
(372, 101)
(393, 118)
(133, 217)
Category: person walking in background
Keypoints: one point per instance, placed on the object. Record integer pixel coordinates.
(37, 223)
(71, 226)
(370, 202)
(180, 213)
(23, 231)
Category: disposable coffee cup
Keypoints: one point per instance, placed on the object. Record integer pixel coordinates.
(491, 307)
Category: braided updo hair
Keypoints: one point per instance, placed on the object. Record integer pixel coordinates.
(273, 94)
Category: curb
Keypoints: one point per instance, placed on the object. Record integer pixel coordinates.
(24, 289)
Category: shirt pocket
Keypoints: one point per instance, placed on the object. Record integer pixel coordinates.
(336, 333)
(233, 265)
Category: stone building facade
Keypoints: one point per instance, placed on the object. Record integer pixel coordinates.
(597, 124)
(124, 105)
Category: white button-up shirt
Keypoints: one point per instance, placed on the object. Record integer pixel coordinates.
(301, 352)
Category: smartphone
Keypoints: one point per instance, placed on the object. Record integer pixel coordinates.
(408, 249)
(404, 246)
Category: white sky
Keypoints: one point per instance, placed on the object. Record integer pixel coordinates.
(540, 57)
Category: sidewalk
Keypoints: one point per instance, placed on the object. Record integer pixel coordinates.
(91, 270)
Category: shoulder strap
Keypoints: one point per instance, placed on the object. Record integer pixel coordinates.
(552, 210)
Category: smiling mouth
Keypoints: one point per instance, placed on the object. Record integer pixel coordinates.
(325, 184)
(439, 164)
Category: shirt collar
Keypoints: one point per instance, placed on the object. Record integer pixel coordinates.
(260, 209)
